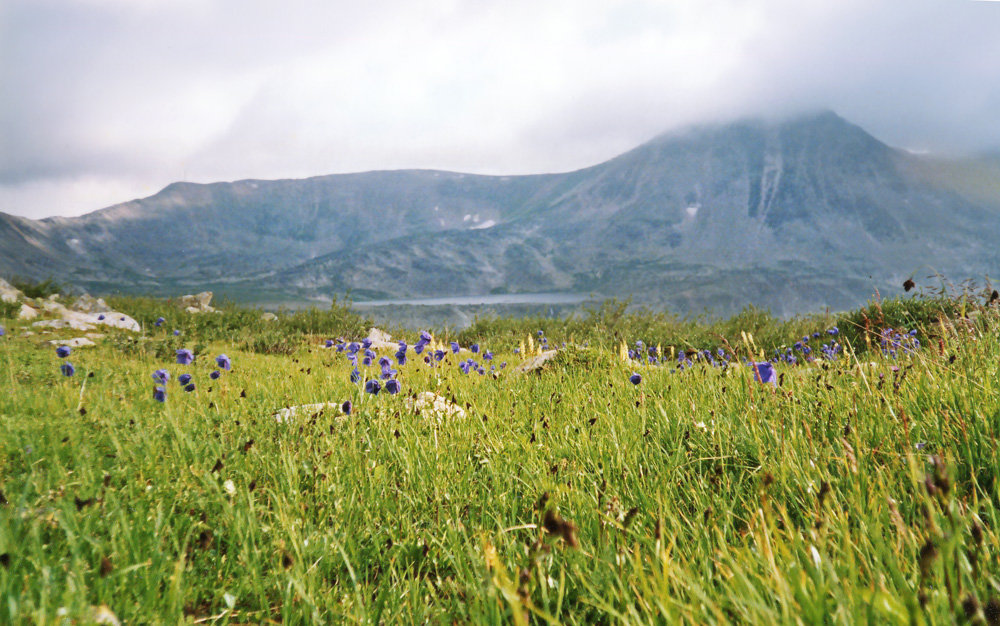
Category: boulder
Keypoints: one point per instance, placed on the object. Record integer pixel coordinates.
(89, 304)
(27, 313)
(285, 415)
(197, 303)
(9, 293)
(536, 363)
(430, 405)
(76, 320)
(381, 340)
(269, 317)
(76, 342)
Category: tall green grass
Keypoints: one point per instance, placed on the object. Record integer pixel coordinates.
(863, 490)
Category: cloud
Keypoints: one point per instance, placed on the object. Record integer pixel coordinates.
(126, 96)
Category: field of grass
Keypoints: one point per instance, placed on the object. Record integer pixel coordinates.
(862, 489)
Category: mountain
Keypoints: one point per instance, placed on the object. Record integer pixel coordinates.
(796, 215)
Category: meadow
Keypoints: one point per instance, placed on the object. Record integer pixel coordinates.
(648, 473)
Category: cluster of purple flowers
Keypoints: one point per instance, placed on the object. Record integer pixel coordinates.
(185, 357)
(892, 342)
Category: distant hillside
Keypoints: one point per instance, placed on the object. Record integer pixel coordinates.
(798, 215)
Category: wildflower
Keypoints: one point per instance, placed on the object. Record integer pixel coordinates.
(419, 347)
(184, 379)
(63, 351)
(184, 356)
(215, 375)
(160, 394)
(67, 368)
(366, 361)
(189, 388)
(161, 376)
(230, 487)
(2, 331)
(438, 355)
(455, 347)
(370, 353)
(635, 378)
(425, 336)
(346, 407)
(517, 351)
(373, 387)
(392, 386)
(223, 361)
(355, 375)
(176, 332)
(763, 372)
(474, 348)
(159, 322)
(541, 333)
(833, 331)
(488, 355)
(366, 343)
(100, 318)
(329, 343)
(353, 348)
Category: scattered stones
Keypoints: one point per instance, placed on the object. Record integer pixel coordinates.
(430, 405)
(76, 320)
(536, 363)
(197, 303)
(76, 342)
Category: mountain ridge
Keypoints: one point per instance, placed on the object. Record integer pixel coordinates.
(813, 202)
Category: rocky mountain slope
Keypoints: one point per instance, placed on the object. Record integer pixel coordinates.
(794, 215)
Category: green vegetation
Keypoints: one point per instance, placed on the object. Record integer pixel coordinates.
(860, 490)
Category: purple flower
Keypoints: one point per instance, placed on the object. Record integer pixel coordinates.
(329, 343)
(63, 351)
(425, 336)
(355, 375)
(517, 351)
(419, 347)
(67, 368)
(176, 332)
(184, 356)
(370, 353)
(184, 379)
(161, 376)
(540, 333)
(833, 331)
(100, 317)
(635, 378)
(373, 387)
(353, 348)
(160, 394)
(401, 358)
(488, 355)
(159, 322)
(392, 386)
(346, 407)
(215, 375)
(388, 373)
(763, 372)
(189, 388)
(2, 331)
(366, 343)
(384, 362)
(223, 361)
(366, 361)
(455, 347)
(474, 348)
(438, 355)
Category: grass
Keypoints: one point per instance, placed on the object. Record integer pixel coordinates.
(862, 490)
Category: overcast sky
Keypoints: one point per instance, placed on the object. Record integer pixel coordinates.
(103, 101)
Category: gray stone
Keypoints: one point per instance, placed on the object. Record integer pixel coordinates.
(536, 363)
(89, 304)
(197, 303)
(27, 313)
(76, 342)
(8, 293)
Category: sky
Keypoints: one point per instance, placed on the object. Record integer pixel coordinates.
(104, 101)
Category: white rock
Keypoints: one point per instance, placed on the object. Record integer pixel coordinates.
(76, 342)
(284, 416)
(430, 405)
(27, 313)
(89, 304)
(381, 340)
(88, 321)
(9, 293)
(269, 317)
(197, 303)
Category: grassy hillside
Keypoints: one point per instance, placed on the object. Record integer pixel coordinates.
(860, 488)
